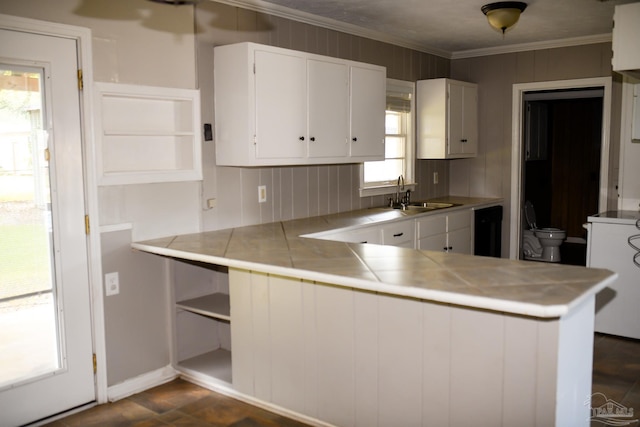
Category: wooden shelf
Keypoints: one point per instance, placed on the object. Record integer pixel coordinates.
(216, 364)
(213, 305)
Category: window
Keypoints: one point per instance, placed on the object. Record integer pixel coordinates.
(381, 177)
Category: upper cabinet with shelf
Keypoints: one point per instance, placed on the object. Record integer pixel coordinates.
(277, 106)
(447, 119)
(147, 134)
(626, 33)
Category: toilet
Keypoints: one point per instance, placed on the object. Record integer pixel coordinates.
(541, 244)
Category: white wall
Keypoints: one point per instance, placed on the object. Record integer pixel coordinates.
(303, 191)
(489, 174)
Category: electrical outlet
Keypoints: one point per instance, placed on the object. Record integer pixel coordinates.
(262, 193)
(435, 177)
(112, 283)
(211, 203)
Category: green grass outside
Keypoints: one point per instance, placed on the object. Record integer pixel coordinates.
(24, 260)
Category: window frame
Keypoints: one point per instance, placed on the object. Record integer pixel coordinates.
(377, 189)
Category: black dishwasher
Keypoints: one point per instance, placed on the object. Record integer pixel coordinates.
(488, 232)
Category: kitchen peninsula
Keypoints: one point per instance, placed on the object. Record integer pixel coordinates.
(357, 334)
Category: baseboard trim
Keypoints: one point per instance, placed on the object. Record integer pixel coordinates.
(141, 383)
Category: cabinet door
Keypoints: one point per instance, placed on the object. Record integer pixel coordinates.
(455, 119)
(281, 105)
(459, 241)
(469, 120)
(436, 242)
(328, 108)
(368, 97)
(463, 119)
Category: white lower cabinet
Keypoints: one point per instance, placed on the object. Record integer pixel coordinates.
(201, 320)
(445, 232)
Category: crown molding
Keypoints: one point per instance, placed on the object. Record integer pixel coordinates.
(522, 47)
(332, 24)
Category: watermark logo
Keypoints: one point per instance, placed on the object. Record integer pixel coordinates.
(609, 412)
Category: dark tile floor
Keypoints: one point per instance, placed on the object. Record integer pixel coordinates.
(178, 403)
(616, 374)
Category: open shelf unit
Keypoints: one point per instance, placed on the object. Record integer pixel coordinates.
(202, 320)
(147, 134)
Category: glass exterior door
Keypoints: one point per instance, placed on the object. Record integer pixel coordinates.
(46, 362)
(29, 338)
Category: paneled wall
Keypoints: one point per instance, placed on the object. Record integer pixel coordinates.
(296, 192)
(489, 174)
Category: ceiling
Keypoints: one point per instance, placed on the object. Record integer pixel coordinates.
(453, 28)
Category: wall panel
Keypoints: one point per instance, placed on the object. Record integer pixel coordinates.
(305, 190)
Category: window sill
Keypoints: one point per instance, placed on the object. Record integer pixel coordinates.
(384, 189)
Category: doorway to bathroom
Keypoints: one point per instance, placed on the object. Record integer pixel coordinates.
(560, 159)
(561, 173)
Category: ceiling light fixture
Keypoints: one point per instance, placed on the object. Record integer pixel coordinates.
(504, 14)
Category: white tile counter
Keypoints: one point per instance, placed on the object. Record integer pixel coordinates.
(519, 287)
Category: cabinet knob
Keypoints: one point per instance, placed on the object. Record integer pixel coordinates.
(463, 140)
(313, 138)
(301, 138)
(354, 139)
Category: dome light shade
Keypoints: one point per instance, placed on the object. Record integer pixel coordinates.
(503, 15)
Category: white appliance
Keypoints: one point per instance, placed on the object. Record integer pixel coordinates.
(614, 243)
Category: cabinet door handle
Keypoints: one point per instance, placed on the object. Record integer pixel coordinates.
(301, 138)
(313, 138)
(463, 140)
(450, 248)
(398, 235)
(445, 249)
(354, 139)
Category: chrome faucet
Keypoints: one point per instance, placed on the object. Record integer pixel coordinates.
(400, 179)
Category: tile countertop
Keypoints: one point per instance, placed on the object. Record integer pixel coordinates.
(521, 287)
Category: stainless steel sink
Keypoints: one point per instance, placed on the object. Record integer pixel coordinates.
(419, 207)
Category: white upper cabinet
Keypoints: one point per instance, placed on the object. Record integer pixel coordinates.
(146, 134)
(626, 33)
(277, 106)
(447, 116)
(328, 114)
(280, 109)
(368, 91)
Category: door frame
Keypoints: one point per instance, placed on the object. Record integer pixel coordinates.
(82, 36)
(517, 146)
